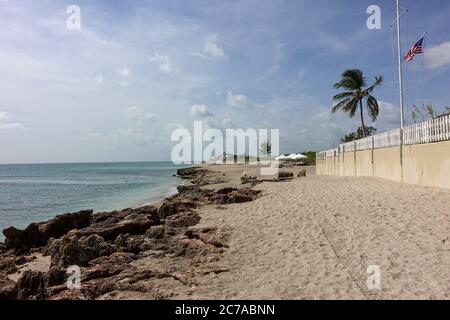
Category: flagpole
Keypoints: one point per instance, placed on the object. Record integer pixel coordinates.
(400, 69)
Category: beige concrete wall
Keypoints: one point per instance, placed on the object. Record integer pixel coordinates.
(423, 164)
(386, 164)
(349, 164)
(364, 166)
(427, 164)
(341, 164)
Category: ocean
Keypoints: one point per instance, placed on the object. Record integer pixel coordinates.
(38, 192)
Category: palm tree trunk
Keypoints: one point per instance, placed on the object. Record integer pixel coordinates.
(362, 118)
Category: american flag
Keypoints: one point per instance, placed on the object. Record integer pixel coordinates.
(416, 49)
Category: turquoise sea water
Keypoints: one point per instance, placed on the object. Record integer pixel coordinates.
(37, 192)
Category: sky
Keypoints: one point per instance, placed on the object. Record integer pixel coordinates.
(116, 89)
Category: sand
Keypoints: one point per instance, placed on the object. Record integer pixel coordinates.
(315, 237)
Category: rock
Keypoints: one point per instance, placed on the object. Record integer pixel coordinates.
(111, 232)
(21, 261)
(55, 276)
(117, 258)
(183, 220)
(8, 264)
(37, 234)
(169, 208)
(190, 173)
(109, 217)
(127, 243)
(229, 195)
(101, 271)
(95, 246)
(302, 173)
(62, 224)
(285, 174)
(155, 232)
(31, 286)
(226, 190)
(8, 288)
(217, 237)
(24, 239)
(73, 251)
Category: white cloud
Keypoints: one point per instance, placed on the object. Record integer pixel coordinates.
(240, 101)
(12, 126)
(228, 123)
(99, 79)
(4, 116)
(124, 72)
(135, 136)
(95, 133)
(212, 49)
(5, 125)
(333, 42)
(124, 83)
(139, 114)
(200, 111)
(174, 125)
(165, 65)
(389, 116)
(437, 56)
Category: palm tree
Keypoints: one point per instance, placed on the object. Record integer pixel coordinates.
(354, 83)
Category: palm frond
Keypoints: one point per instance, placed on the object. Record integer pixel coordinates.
(340, 105)
(343, 95)
(377, 83)
(352, 107)
(372, 106)
(355, 74)
(347, 83)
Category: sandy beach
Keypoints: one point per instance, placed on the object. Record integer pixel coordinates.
(314, 237)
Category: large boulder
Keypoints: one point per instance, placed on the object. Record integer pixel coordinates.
(62, 224)
(31, 286)
(111, 232)
(37, 234)
(24, 239)
(169, 208)
(8, 288)
(55, 276)
(232, 195)
(70, 250)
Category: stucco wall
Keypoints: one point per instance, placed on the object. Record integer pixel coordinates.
(427, 164)
(386, 164)
(349, 164)
(423, 164)
(364, 167)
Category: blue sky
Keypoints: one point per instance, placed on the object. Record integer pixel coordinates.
(115, 90)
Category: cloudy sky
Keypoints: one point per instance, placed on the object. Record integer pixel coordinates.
(117, 88)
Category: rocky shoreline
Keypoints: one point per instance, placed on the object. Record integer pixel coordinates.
(124, 253)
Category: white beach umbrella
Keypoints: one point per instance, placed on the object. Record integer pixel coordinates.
(300, 156)
(282, 157)
(297, 156)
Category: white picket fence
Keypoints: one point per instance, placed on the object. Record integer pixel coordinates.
(434, 130)
(430, 131)
(387, 139)
(364, 144)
